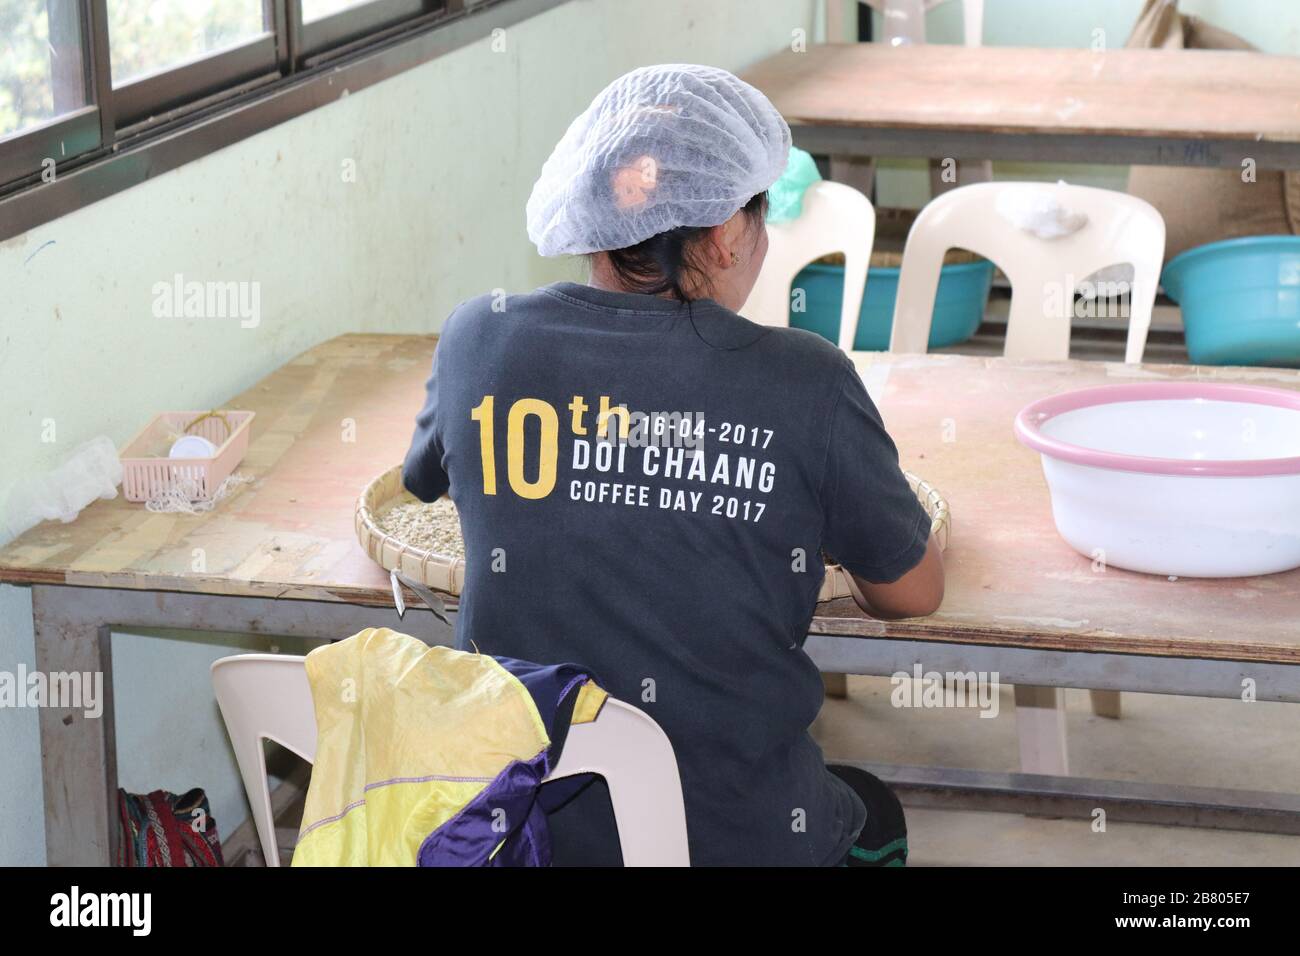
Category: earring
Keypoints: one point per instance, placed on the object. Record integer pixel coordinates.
(735, 259)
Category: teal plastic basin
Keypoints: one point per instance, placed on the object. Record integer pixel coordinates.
(958, 305)
(1240, 300)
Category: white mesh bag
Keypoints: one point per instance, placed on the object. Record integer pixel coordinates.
(660, 147)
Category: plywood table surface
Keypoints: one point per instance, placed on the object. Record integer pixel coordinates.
(1176, 107)
(1011, 579)
(327, 423)
(341, 413)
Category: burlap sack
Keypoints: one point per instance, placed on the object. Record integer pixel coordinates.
(1206, 205)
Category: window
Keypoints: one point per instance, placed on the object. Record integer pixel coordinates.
(42, 76)
(46, 114)
(88, 83)
(166, 53)
(150, 36)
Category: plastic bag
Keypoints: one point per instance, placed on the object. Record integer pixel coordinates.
(785, 196)
(93, 470)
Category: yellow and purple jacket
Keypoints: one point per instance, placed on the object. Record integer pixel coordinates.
(428, 756)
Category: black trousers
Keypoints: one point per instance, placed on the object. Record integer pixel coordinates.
(583, 833)
(883, 840)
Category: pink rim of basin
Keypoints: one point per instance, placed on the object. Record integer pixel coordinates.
(1034, 415)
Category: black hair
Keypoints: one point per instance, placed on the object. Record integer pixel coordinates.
(664, 263)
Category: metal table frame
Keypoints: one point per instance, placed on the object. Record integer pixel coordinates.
(1100, 149)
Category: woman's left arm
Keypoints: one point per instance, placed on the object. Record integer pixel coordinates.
(422, 471)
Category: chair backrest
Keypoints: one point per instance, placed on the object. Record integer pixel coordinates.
(268, 697)
(834, 218)
(1044, 273)
(972, 22)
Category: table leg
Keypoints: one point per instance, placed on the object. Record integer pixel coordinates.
(1105, 703)
(78, 752)
(856, 171)
(1040, 725)
(837, 686)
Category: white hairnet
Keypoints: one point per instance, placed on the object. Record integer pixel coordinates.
(660, 147)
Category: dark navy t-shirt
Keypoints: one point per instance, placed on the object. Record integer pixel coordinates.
(645, 489)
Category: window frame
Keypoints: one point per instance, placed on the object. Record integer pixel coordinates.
(26, 153)
(161, 120)
(174, 87)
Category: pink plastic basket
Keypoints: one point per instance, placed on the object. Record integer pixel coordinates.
(145, 475)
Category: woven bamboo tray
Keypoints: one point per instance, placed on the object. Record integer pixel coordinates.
(447, 574)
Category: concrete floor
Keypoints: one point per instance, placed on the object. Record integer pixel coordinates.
(1159, 739)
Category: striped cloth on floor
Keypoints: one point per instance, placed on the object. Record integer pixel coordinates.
(166, 829)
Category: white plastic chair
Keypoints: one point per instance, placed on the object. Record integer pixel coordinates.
(268, 697)
(1120, 229)
(1044, 273)
(834, 218)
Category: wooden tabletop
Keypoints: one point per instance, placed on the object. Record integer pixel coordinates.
(327, 423)
(1012, 580)
(341, 413)
(1216, 99)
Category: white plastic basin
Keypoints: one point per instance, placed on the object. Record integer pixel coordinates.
(1195, 479)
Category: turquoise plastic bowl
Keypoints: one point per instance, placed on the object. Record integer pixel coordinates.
(1240, 300)
(958, 305)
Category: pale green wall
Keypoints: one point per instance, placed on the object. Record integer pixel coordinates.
(445, 157)
(1271, 25)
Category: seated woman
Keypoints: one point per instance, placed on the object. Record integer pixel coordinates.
(647, 481)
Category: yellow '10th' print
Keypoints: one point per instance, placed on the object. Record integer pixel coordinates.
(519, 413)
